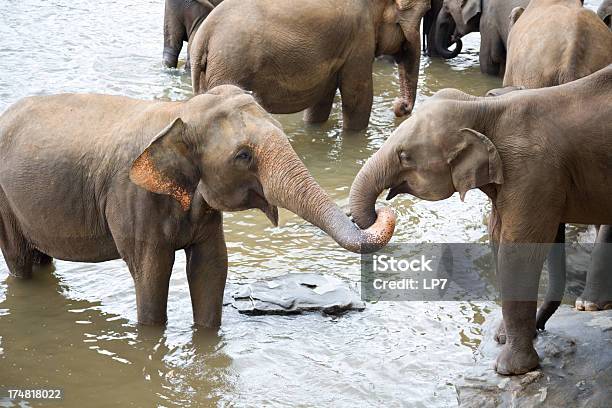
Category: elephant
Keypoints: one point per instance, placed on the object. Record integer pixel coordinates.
(92, 178)
(430, 33)
(520, 150)
(542, 52)
(294, 55)
(181, 20)
(460, 17)
(605, 12)
(552, 42)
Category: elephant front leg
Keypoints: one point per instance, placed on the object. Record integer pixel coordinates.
(519, 267)
(357, 94)
(207, 273)
(597, 294)
(151, 269)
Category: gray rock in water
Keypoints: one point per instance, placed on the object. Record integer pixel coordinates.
(576, 367)
(295, 293)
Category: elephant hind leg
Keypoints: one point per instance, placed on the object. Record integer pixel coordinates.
(319, 112)
(597, 293)
(18, 253)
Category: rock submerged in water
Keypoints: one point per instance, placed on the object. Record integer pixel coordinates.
(575, 367)
(293, 294)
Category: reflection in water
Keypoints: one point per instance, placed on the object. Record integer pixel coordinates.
(74, 328)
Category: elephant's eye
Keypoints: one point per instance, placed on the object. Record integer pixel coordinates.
(405, 159)
(243, 156)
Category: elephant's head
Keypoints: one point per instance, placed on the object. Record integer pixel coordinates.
(181, 20)
(456, 19)
(605, 12)
(224, 146)
(398, 35)
(431, 155)
(444, 29)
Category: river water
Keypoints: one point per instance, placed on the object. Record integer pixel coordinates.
(75, 328)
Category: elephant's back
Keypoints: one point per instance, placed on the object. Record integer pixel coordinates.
(286, 54)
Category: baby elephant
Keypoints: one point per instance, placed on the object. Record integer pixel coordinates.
(295, 54)
(92, 178)
(543, 156)
(181, 21)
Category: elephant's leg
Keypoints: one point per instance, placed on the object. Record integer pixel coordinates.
(151, 267)
(520, 265)
(357, 94)
(492, 51)
(18, 254)
(188, 62)
(319, 112)
(597, 294)
(556, 279)
(207, 273)
(494, 227)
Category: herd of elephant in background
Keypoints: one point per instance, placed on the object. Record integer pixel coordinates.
(148, 178)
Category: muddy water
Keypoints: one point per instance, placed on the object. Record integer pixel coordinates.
(74, 327)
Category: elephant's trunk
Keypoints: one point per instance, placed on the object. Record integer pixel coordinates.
(174, 34)
(372, 179)
(288, 184)
(408, 69)
(444, 29)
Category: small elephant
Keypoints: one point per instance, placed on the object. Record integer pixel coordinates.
(430, 34)
(181, 20)
(458, 18)
(605, 12)
(92, 178)
(552, 42)
(520, 150)
(294, 55)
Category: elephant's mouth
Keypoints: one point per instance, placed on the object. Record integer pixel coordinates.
(258, 201)
(400, 188)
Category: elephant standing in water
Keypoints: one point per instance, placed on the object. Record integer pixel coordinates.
(294, 55)
(605, 12)
(458, 18)
(181, 20)
(553, 42)
(92, 178)
(520, 150)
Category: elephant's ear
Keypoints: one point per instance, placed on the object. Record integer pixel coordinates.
(474, 162)
(165, 167)
(515, 14)
(470, 9)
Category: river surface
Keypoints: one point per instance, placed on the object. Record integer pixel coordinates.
(75, 328)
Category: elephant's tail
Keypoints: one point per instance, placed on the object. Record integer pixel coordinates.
(198, 70)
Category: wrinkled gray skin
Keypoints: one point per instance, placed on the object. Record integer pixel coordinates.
(572, 40)
(458, 18)
(520, 150)
(93, 177)
(605, 12)
(181, 20)
(294, 55)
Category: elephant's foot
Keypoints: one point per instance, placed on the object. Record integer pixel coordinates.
(516, 359)
(590, 306)
(500, 333)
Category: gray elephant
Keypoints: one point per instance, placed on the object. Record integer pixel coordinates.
(294, 55)
(552, 42)
(543, 51)
(605, 12)
(181, 20)
(93, 177)
(489, 17)
(520, 150)
(430, 33)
